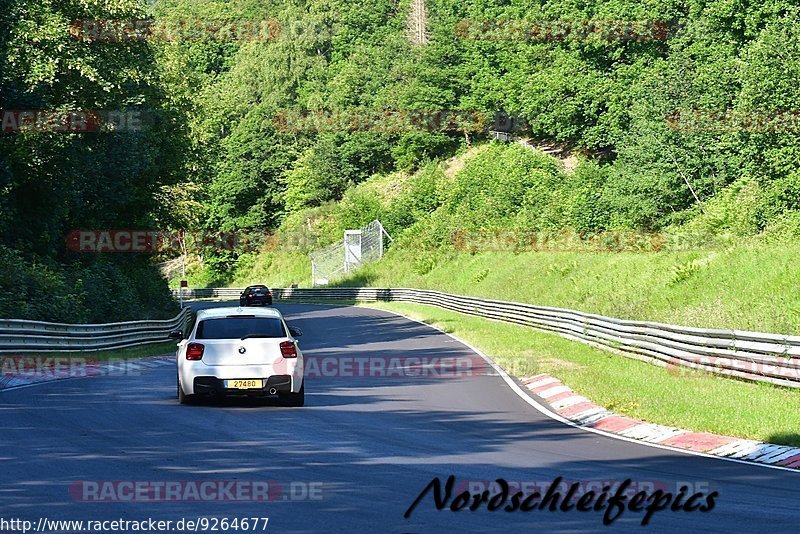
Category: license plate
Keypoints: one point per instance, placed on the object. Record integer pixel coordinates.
(244, 384)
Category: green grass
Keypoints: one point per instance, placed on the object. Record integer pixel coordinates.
(749, 286)
(274, 269)
(144, 351)
(627, 386)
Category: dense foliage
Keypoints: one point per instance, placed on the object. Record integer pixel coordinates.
(219, 159)
(607, 98)
(52, 183)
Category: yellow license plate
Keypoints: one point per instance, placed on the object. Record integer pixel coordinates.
(244, 384)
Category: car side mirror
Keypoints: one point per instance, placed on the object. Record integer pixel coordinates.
(295, 332)
(177, 335)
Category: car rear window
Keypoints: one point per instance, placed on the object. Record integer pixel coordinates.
(238, 327)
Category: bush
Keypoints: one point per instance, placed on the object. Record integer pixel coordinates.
(501, 183)
(97, 290)
(358, 207)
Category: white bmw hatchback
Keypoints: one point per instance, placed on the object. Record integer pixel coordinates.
(240, 352)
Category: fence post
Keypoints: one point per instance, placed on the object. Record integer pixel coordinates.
(380, 241)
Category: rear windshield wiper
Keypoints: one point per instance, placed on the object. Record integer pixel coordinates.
(248, 336)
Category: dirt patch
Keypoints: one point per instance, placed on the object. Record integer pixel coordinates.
(453, 165)
(564, 152)
(570, 163)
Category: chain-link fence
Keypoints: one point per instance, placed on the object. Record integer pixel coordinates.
(356, 248)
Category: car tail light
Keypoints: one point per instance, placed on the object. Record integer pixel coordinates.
(194, 351)
(288, 349)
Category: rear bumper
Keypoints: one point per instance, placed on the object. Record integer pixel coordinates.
(273, 385)
(198, 378)
(256, 302)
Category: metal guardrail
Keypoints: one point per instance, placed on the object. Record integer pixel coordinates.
(205, 293)
(21, 336)
(755, 356)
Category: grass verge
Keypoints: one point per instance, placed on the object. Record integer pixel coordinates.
(131, 353)
(692, 401)
(748, 287)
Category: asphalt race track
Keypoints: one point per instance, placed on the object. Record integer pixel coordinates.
(364, 446)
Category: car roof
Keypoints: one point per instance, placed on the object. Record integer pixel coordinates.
(212, 313)
(255, 286)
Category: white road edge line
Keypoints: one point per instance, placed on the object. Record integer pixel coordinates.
(542, 409)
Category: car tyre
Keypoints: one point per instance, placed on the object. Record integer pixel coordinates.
(183, 398)
(296, 399)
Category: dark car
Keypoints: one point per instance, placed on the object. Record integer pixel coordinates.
(255, 295)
